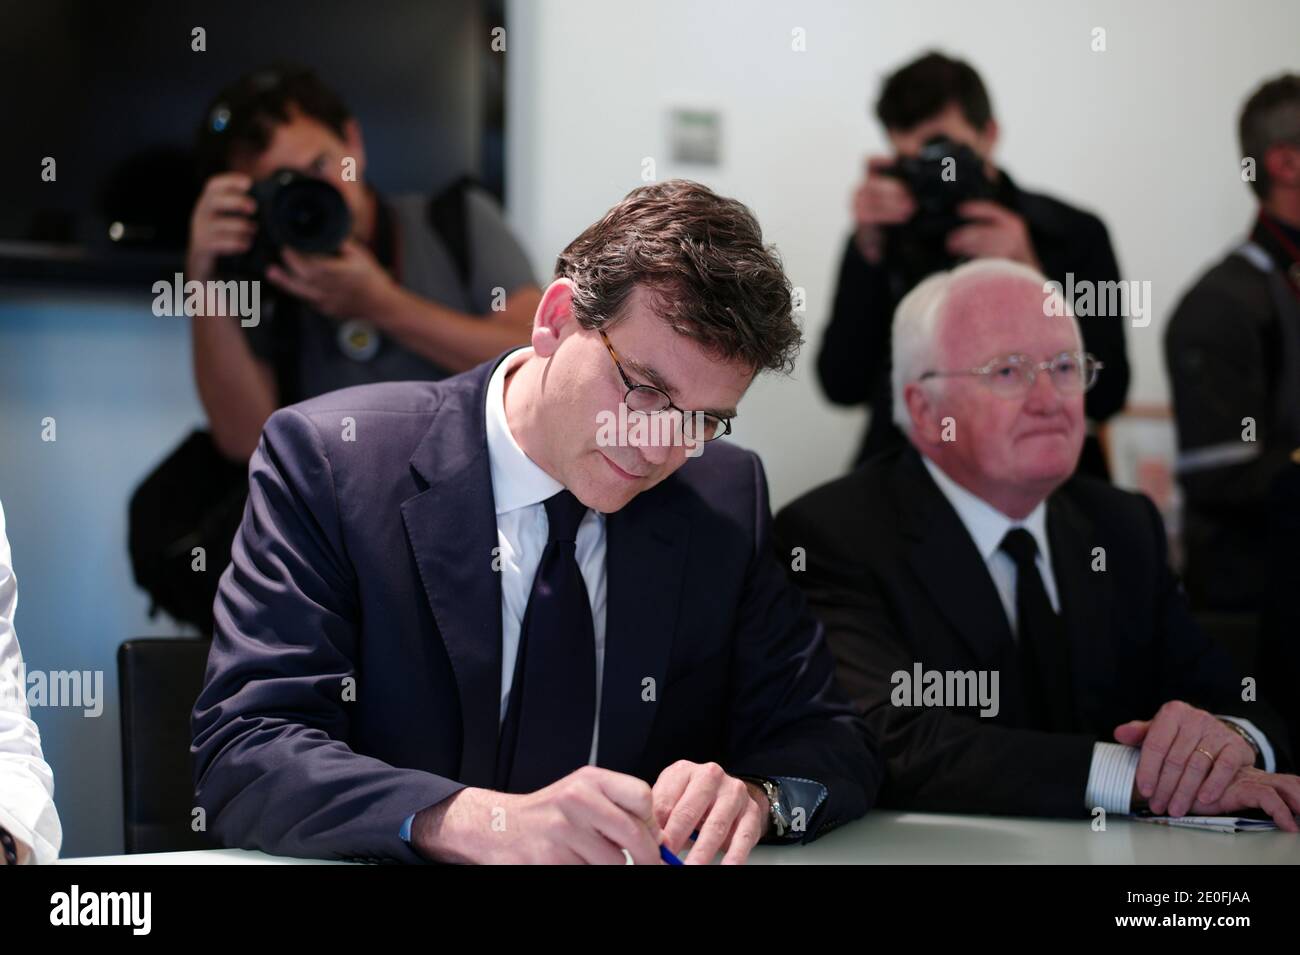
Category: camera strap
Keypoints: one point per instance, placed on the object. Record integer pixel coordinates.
(448, 217)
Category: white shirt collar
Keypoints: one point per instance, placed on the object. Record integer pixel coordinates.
(517, 480)
(984, 522)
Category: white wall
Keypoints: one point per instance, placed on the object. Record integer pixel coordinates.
(1143, 134)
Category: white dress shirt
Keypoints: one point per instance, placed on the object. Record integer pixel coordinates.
(519, 487)
(1114, 766)
(26, 781)
(987, 526)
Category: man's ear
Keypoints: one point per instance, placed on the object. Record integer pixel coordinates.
(921, 409)
(554, 314)
(355, 145)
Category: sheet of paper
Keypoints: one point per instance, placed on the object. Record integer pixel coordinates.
(1212, 823)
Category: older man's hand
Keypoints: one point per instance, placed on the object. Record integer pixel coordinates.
(1188, 757)
(1278, 794)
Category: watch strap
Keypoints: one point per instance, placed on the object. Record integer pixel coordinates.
(10, 847)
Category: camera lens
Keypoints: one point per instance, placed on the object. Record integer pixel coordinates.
(307, 214)
(303, 218)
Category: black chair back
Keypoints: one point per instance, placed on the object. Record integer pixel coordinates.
(159, 678)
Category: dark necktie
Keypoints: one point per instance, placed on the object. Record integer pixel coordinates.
(552, 710)
(1044, 654)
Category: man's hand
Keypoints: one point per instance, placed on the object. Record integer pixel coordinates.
(1188, 756)
(881, 200)
(995, 233)
(589, 816)
(349, 285)
(220, 224)
(730, 814)
(1278, 794)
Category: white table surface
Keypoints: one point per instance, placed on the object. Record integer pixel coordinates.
(928, 838)
(941, 838)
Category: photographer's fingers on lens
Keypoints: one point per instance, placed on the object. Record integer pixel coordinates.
(234, 181)
(233, 229)
(232, 204)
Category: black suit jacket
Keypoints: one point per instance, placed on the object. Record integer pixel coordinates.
(1279, 639)
(1232, 356)
(897, 579)
(367, 563)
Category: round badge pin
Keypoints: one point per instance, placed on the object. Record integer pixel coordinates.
(358, 340)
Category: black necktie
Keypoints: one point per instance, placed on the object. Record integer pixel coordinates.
(552, 710)
(1044, 655)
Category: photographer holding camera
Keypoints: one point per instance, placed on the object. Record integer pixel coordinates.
(409, 292)
(938, 202)
(351, 288)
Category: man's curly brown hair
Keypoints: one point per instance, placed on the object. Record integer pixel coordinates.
(702, 258)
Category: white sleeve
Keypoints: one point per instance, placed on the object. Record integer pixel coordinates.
(1110, 779)
(26, 781)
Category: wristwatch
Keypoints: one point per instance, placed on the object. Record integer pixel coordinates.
(10, 847)
(777, 810)
(1247, 737)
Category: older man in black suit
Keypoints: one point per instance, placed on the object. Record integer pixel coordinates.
(972, 559)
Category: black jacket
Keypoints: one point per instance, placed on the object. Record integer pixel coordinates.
(897, 579)
(1230, 358)
(1278, 663)
(854, 361)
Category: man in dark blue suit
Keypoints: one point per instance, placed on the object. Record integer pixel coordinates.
(517, 615)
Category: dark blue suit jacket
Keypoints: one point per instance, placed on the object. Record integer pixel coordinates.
(355, 671)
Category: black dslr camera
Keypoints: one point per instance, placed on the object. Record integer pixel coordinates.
(940, 186)
(293, 210)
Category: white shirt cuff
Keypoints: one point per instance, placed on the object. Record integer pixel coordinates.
(1110, 779)
(1265, 748)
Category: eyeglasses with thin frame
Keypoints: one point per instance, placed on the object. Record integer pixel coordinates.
(647, 399)
(1011, 376)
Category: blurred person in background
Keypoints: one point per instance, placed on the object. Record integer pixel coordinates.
(1233, 352)
(394, 288)
(911, 221)
(403, 299)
